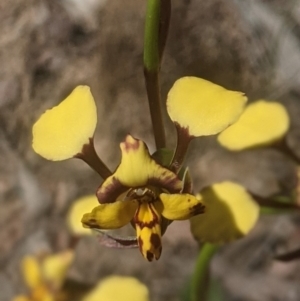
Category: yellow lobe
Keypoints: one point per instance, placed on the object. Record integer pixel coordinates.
(78, 209)
(61, 132)
(42, 293)
(180, 206)
(203, 107)
(230, 213)
(110, 216)
(262, 123)
(31, 272)
(137, 168)
(55, 267)
(119, 288)
(148, 231)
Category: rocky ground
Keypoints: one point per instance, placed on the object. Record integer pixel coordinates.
(49, 47)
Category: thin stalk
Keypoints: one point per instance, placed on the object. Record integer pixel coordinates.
(292, 255)
(154, 99)
(151, 53)
(183, 141)
(88, 155)
(269, 203)
(165, 18)
(200, 278)
(156, 31)
(283, 147)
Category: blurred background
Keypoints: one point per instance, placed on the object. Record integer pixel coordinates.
(47, 47)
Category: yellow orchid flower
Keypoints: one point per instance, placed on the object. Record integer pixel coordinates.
(44, 277)
(144, 190)
(119, 288)
(262, 123)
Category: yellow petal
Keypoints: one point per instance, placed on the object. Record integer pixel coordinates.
(42, 293)
(262, 123)
(118, 288)
(61, 132)
(110, 216)
(78, 208)
(180, 206)
(55, 267)
(147, 222)
(202, 107)
(137, 169)
(230, 213)
(31, 271)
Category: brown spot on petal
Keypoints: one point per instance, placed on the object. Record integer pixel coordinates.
(149, 256)
(197, 209)
(91, 223)
(155, 240)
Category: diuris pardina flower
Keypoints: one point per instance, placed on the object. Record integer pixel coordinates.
(44, 277)
(143, 191)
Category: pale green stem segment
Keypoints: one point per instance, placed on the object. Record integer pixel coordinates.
(156, 29)
(200, 279)
(151, 53)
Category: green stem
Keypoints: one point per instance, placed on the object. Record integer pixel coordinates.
(200, 278)
(156, 31)
(151, 53)
(165, 17)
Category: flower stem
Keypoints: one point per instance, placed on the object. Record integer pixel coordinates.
(283, 147)
(165, 17)
(269, 203)
(183, 141)
(88, 155)
(200, 278)
(156, 31)
(292, 255)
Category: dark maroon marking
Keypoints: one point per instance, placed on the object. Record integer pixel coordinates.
(131, 145)
(151, 224)
(155, 240)
(183, 140)
(92, 223)
(197, 209)
(148, 225)
(149, 256)
(169, 183)
(111, 192)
